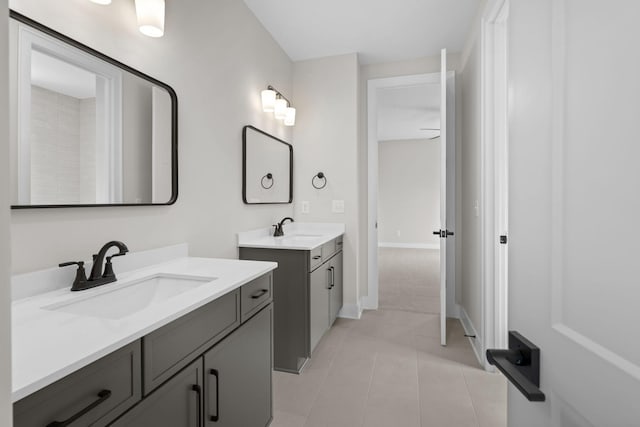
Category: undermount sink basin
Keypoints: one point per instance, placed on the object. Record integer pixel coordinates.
(129, 298)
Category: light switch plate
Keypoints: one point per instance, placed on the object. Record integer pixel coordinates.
(305, 207)
(337, 206)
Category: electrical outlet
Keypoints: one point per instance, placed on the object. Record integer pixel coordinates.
(337, 206)
(305, 207)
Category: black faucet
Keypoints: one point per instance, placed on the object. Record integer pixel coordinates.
(97, 276)
(279, 231)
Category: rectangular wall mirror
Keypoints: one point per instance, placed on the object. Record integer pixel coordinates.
(86, 130)
(267, 168)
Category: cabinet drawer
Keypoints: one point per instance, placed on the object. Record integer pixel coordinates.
(328, 249)
(315, 258)
(255, 295)
(174, 346)
(108, 387)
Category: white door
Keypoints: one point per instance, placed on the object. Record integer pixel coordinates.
(574, 214)
(443, 198)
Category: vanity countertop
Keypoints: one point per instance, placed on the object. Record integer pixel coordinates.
(297, 236)
(49, 345)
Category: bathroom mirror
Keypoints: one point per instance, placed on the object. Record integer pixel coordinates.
(86, 130)
(267, 168)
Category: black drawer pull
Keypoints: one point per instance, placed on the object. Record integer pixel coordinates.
(198, 391)
(259, 293)
(216, 417)
(317, 257)
(102, 396)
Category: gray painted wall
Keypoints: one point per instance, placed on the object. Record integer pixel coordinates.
(218, 58)
(409, 191)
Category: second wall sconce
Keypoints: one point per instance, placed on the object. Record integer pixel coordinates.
(150, 15)
(275, 102)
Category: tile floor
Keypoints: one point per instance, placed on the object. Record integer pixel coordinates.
(388, 368)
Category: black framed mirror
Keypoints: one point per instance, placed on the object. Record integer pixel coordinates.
(267, 168)
(87, 130)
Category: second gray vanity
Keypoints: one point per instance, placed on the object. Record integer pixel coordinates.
(307, 287)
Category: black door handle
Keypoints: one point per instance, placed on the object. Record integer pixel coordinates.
(216, 417)
(520, 364)
(102, 396)
(443, 233)
(198, 391)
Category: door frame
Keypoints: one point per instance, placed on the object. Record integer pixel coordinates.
(370, 302)
(494, 175)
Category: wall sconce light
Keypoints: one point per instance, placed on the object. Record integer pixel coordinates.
(319, 181)
(275, 102)
(150, 17)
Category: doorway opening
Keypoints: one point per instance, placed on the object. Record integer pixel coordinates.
(405, 134)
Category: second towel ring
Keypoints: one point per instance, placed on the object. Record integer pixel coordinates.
(319, 176)
(268, 177)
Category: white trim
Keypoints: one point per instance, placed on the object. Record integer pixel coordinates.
(370, 302)
(476, 343)
(409, 245)
(351, 311)
(494, 176)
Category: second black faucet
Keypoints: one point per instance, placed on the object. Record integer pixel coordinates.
(279, 231)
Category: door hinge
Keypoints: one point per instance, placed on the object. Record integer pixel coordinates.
(503, 239)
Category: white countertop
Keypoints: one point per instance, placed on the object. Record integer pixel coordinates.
(49, 345)
(297, 236)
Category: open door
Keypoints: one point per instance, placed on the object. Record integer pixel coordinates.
(574, 206)
(443, 232)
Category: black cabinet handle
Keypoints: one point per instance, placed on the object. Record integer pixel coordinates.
(216, 417)
(259, 293)
(333, 276)
(102, 396)
(520, 364)
(198, 391)
(317, 257)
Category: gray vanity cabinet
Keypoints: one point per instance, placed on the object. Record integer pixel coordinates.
(178, 403)
(307, 296)
(335, 291)
(238, 376)
(94, 395)
(318, 304)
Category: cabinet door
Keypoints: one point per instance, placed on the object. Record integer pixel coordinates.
(318, 304)
(177, 403)
(238, 376)
(335, 301)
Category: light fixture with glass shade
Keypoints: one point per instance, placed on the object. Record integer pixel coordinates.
(268, 100)
(275, 102)
(150, 17)
(290, 116)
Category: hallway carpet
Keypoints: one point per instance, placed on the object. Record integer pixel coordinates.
(388, 368)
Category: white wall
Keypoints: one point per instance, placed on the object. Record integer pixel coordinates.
(5, 238)
(218, 58)
(326, 139)
(471, 273)
(409, 192)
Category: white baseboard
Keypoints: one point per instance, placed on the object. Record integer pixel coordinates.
(351, 311)
(368, 303)
(469, 329)
(409, 245)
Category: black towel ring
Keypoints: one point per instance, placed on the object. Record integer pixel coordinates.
(268, 177)
(321, 176)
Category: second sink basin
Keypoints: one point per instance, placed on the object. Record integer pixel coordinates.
(132, 297)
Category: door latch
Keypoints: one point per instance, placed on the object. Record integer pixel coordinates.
(443, 233)
(503, 239)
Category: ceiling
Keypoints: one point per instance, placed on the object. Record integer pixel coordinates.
(379, 30)
(404, 111)
(59, 76)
